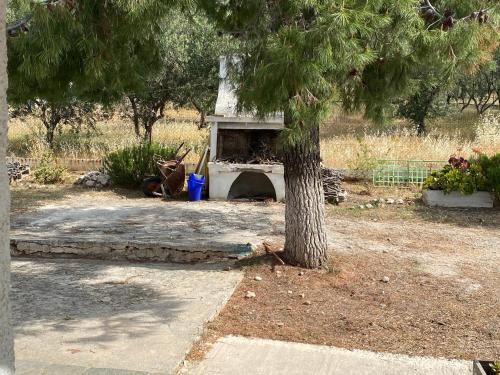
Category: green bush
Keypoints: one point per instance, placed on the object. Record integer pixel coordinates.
(479, 174)
(48, 172)
(129, 166)
(491, 170)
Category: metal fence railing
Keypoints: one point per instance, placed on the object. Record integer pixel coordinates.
(404, 173)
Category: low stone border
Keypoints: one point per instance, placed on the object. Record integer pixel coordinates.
(455, 199)
(137, 252)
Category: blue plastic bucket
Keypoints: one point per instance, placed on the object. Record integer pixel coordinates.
(195, 186)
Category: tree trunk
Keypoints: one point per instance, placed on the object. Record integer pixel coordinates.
(421, 127)
(148, 132)
(6, 335)
(135, 117)
(49, 136)
(305, 234)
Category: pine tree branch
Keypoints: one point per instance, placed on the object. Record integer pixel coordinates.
(428, 5)
(22, 24)
(447, 19)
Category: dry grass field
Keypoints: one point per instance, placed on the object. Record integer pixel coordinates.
(347, 141)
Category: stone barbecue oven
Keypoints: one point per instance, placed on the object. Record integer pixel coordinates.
(244, 154)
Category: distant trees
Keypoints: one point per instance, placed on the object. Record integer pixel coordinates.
(189, 56)
(53, 114)
(432, 93)
(480, 89)
(426, 100)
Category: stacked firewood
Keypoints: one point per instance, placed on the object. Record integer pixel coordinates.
(332, 185)
(15, 170)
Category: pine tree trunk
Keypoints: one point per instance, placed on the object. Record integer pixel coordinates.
(305, 233)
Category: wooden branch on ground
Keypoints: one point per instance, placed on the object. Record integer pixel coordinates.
(267, 246)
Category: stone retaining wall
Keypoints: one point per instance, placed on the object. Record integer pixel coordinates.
(117, 251)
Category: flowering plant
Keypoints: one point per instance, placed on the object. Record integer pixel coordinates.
(459, 175)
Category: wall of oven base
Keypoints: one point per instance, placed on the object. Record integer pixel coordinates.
(223, 175)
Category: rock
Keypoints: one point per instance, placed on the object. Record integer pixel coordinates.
(307, 303)
(250, 294)
(385, 251)
(290, 292)
(106, 299)
(386, 279)
(258, 278)
(103, 180)
(280, 324)
(369, 205)
(94, 179)
(361, 207)
(400, 201)
(390, 201)
(302, 295)
(301, 273)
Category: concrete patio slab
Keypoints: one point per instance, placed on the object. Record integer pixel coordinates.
(43, 368)
(246, 356)
(107, 318)
(144, 229)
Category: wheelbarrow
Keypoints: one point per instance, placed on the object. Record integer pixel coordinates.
(171, 179)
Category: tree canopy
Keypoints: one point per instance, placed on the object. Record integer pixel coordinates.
(95, 50)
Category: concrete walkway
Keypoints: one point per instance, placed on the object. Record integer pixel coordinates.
(243, 356)
(93, 317)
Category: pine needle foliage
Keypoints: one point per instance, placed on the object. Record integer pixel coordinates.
(303, 55)
(91, 49)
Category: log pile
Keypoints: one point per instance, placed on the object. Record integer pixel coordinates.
(332, 185)
(16, 170)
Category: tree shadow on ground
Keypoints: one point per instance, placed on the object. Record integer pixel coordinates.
(101, 299)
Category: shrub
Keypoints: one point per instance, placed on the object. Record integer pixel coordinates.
(467, 176)
(128, 166)
(491, 170)
(48, 172)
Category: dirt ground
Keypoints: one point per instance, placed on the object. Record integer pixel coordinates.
(441, 298)
(441, 268)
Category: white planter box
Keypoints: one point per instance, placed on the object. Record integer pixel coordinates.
(479, 199)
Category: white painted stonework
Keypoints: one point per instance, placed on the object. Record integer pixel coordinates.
(455, 199)
(223, 175)
(6, 337)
